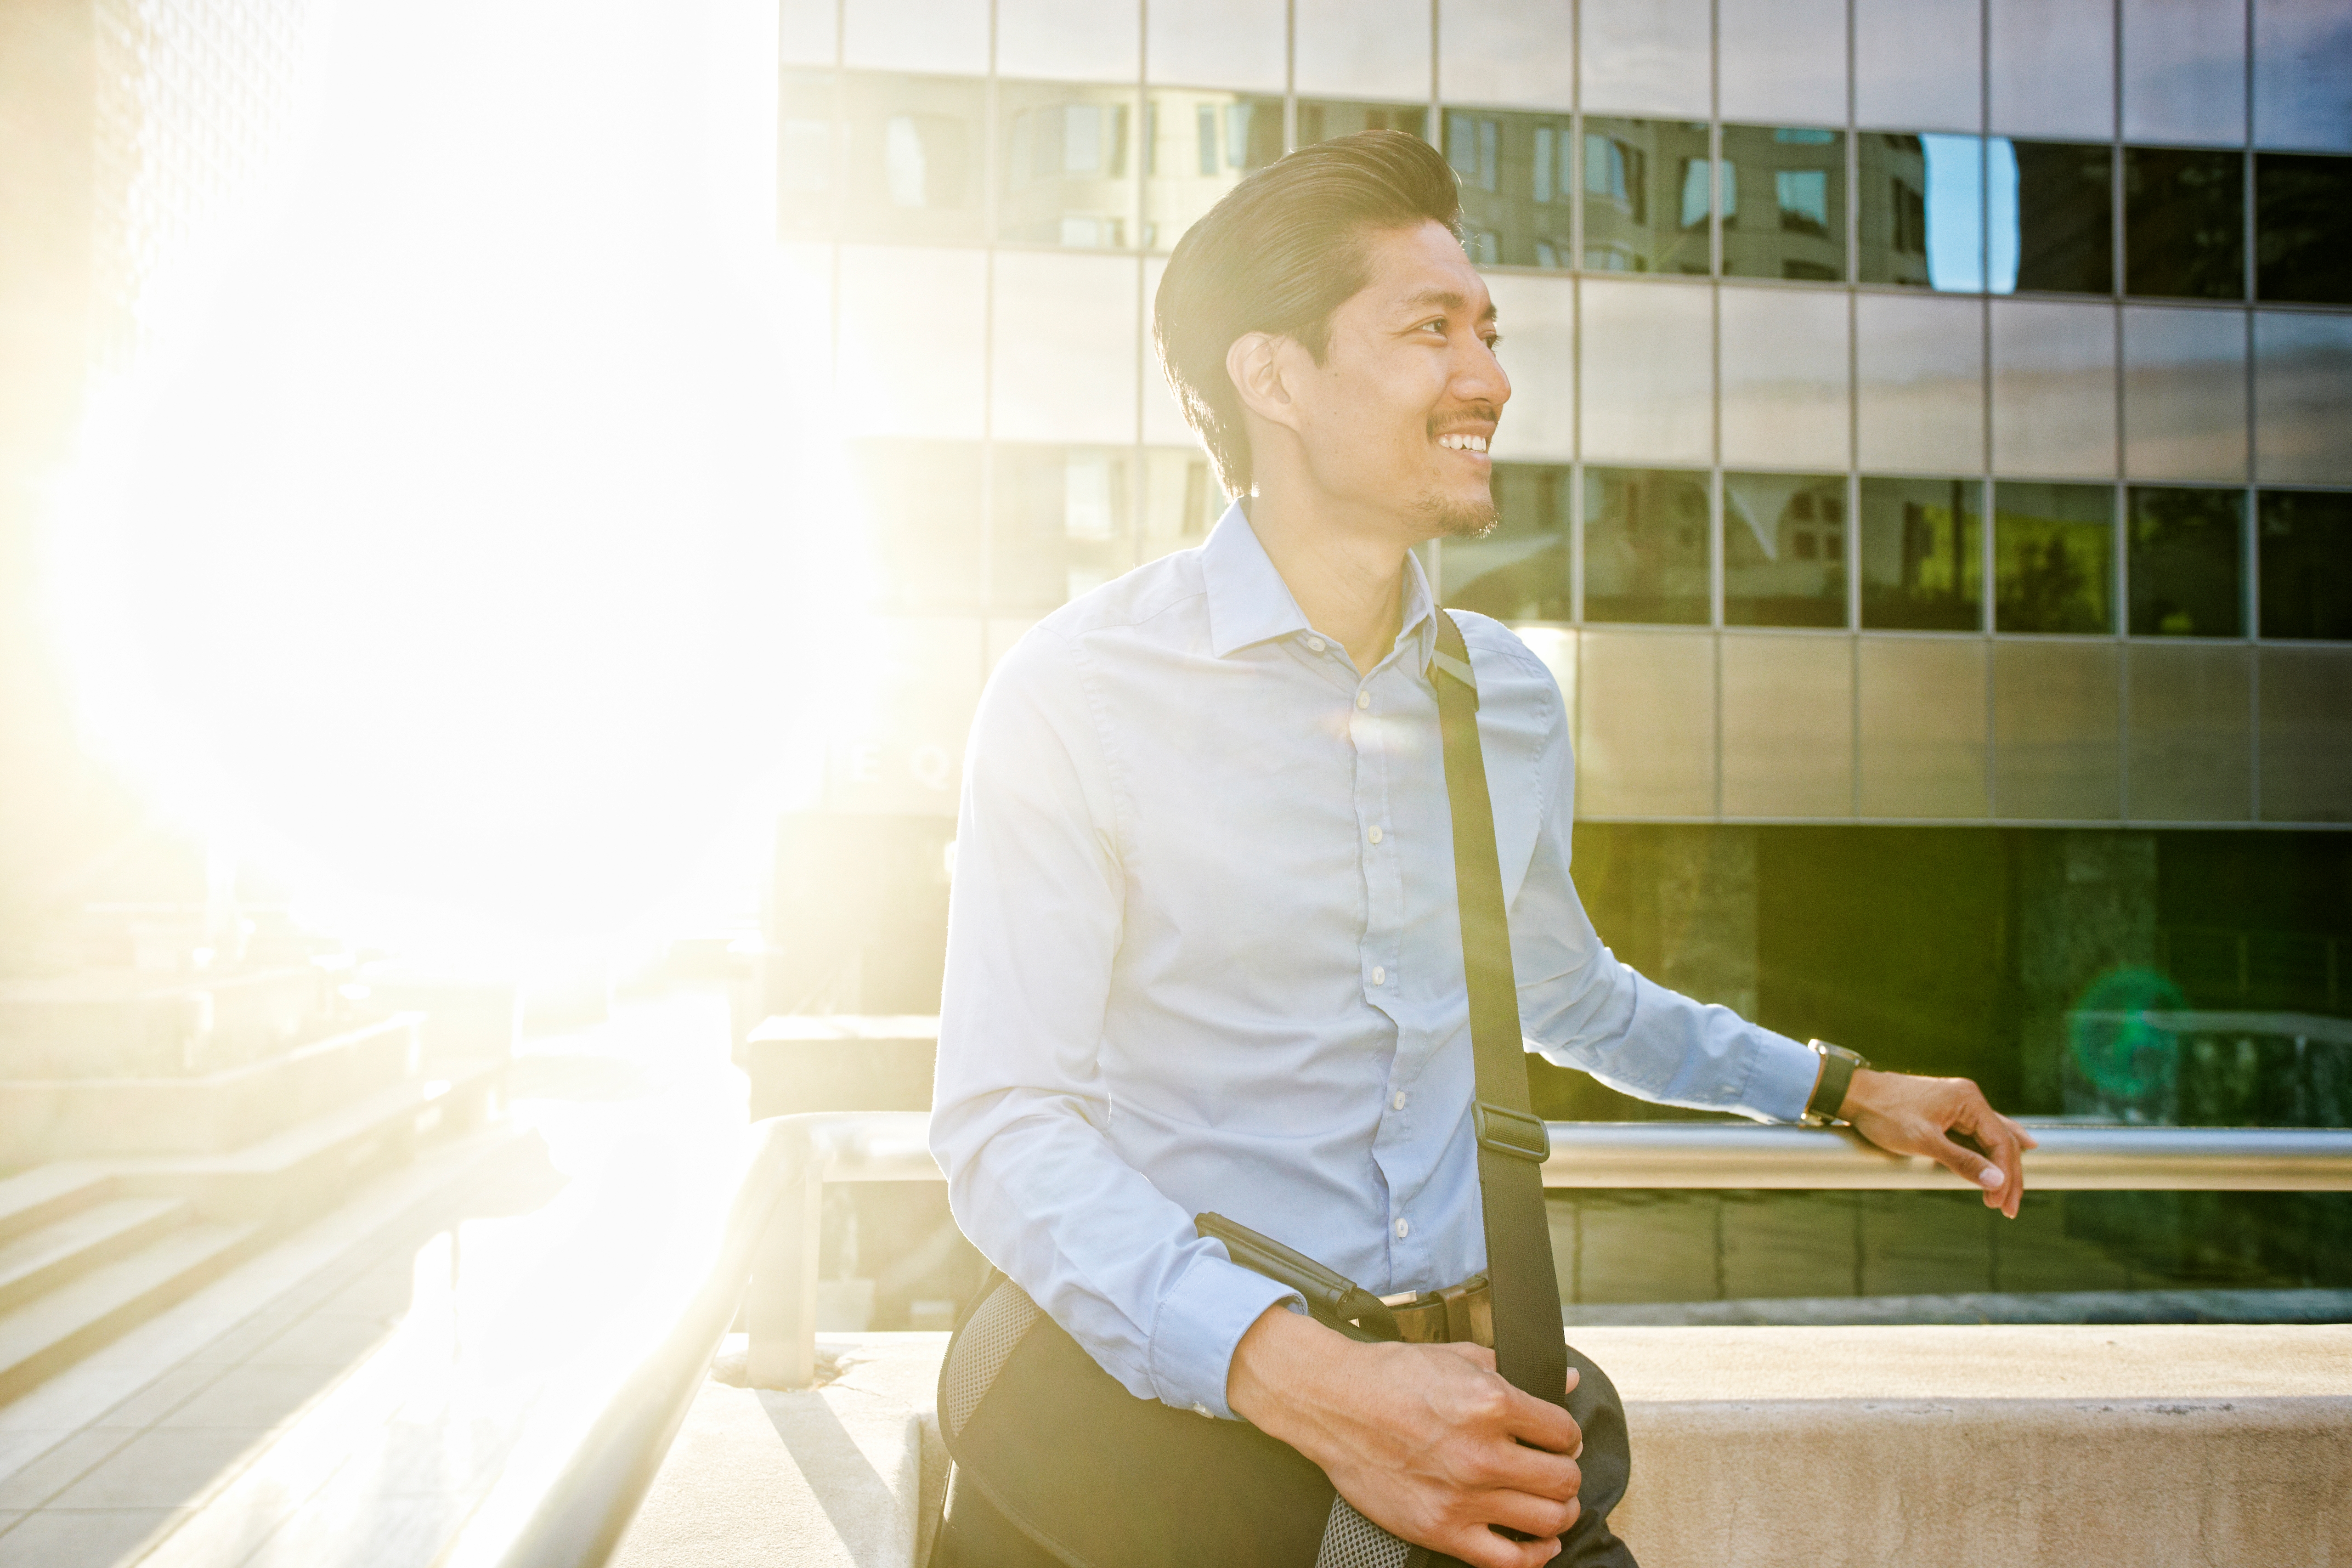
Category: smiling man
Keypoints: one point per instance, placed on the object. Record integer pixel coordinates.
(1204, 951)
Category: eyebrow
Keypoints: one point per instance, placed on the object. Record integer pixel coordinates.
(1447, 299)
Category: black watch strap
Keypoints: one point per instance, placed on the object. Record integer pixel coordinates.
(1838, 1068)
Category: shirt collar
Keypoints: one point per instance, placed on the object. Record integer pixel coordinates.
(1249, 603)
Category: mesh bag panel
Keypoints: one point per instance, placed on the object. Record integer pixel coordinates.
(1351, 1541)
(981, 1352)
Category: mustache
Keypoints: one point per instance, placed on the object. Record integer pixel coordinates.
(1481, 412)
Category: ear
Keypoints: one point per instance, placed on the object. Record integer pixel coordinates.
(1256, 364)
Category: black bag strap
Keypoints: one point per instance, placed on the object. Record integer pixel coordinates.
(1530, 1347)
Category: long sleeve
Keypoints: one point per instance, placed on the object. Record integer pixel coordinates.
(1021, 1108)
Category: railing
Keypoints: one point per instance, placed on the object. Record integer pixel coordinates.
(771, 1240)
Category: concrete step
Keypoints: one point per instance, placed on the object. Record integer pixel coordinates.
(47, 1194)
(47, 1257)
(44, 1335)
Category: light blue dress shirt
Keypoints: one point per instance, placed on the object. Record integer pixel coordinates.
(1204, 954)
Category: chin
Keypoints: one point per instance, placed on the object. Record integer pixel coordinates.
(1460, 517)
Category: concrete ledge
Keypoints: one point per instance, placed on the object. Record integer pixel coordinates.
(2031, 1445)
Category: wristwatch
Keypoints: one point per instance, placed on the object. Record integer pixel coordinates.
(1838, 1068)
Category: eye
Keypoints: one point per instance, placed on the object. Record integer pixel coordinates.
(1494, 342)
(1435, 324)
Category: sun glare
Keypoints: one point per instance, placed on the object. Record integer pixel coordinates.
(465, 544)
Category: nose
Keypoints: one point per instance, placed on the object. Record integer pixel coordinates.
(1478, 376)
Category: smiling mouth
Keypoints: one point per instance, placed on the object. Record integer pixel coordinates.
(1463, 441)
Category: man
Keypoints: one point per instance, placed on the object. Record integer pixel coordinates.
(1203, 952)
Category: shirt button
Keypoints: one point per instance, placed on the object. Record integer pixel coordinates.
(1376, 833)
(1315, 643)
(1198, 1409)
(1396, 1100)
(1363, 699)
(1380, 976)
(1403, 1230)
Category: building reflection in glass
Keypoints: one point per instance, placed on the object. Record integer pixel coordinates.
(1647, 195)
(1518, 572)
(1061, 525)
(1783, 192)
(1198, 145)
(2184, 224)
(2054, 557)
(1320, 119)
(1069, 165)
(2302, 220)
(1784, 549)
(1646, 545)
(1922, 210)
(2306, 563)
(2050, 223)
(2186, 562)
(1922, 561)
(1517, 185)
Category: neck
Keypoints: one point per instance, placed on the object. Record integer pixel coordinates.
(1346, 571)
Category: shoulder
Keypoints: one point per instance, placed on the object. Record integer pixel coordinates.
(1497, 651)
(1155, 594)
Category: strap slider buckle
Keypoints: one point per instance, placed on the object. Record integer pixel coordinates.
(1512, 1132)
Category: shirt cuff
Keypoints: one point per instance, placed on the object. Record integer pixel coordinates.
(1198, 1325)
(1783, 1078)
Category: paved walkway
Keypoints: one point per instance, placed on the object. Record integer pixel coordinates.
(401, 1368)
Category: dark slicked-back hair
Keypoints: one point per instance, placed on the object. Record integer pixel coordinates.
(1279, 254)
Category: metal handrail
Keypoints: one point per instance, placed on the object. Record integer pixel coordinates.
(770, 1244)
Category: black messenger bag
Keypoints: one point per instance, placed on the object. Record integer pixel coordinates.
(1104, 1479)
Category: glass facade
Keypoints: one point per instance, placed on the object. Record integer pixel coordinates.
(1873, 319)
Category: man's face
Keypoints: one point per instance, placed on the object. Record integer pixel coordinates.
(1398, 416)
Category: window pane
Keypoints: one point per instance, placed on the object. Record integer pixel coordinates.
(806, 179)
(1648, 363)
(1520, 55)
(2303, 75)
(1069, 165)
(1516, 185)
(1646, 545)
(2054, 558)
(1198, 147)
(2184, 224)
(1781, 60)
(1635, 175)
(2056, 724)
(1923, 210)
(1372, 48)
(1783, 202)
(2302, 385)
(1922, 561)
(1915, 64)
(1783, 355)
(2051, 217)
(2187, 562)
(1225, 43)
(1520, 571)
(912, 325)
(2051, 71)
(2305, 543)
(1061, 525)
(1064, 362)
(1784, 549)
(807, 32)
(1920, 401)
(1646, 57)
(2053, 403)
(2191, 733)
(1645, 724)
(2307, 733)
(2185, 70)
(1788, 726)
(917, 35)
(1320, 122)
(1076, 40)
(2303, 229)
(914, 155)
(2184, 393)
(1182, 501)
(1538, 316)
(921, 504)
(1922, 744)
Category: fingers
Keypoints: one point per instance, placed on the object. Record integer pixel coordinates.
(1540, 1423)
(2005, 1141)
(1530, 1515)
(1482, 1548)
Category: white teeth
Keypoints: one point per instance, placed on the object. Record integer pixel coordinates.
(1463, 443)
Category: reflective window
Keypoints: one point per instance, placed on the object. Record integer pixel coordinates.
(916, 35)
(2184, 224)
(1919, 398)
(1646, 57)
(1922, 210)
(1646, 545)
(2305, 538)
(1372, 48)
(1922, 750)
(1539, 320)
(913, 325)
(921, 504)
(1647, 359)
(2049, 218)
(2302, 385)
(1520, 571)
(1060, 527)
(806, 180)
(1229, 43)
(1922, 561)
(1523, 54)
(2056, 715)
(1182, 501)
(912, 149)
(2303, 229)
(2303, 75)
(1320, 119)
(1915, 64)
(2184, 393)
(2186, 562)
(1062, 361)
(1197, 146)
(2051, 71)
(1780, 59)
(1646, 195)
(2185, 70)
(1783, 359)
(2054, 398)
(1069, 165)
(1517, 185)
(1783, 195)
(2054, 558)
(1082, 40)
(1784, 549)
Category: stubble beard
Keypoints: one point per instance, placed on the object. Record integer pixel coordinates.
(1446, 518)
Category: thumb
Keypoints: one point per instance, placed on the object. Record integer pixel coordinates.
(1970, 1166)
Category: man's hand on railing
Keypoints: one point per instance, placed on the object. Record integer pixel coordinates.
(1909, 1115)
